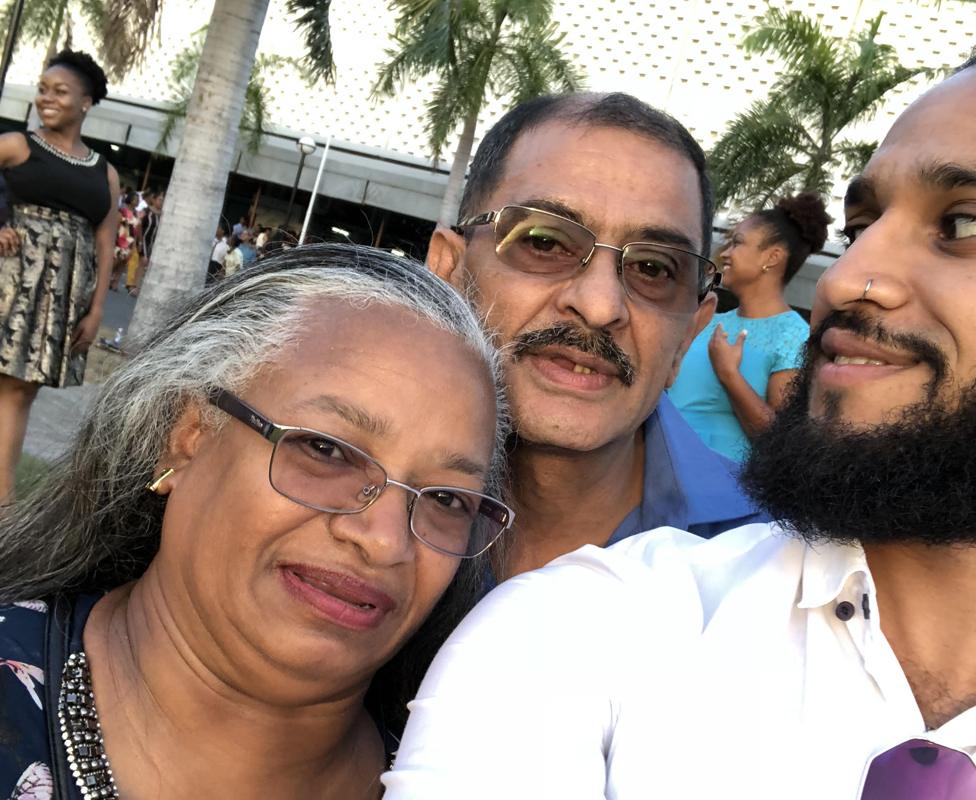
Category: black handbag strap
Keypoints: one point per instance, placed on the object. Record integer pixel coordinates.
(56, 646)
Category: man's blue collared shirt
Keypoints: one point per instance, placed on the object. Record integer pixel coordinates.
(687, 485)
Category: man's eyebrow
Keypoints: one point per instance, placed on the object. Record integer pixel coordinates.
(664, 234)
(947, 175)
(352, 414)
(859, 190)
(461, 463)
(554, 207)
(667, 235)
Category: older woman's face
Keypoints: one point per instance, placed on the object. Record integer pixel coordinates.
(277, 588)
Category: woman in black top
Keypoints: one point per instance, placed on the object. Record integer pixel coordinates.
(56, 252)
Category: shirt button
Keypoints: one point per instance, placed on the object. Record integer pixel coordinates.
(844, 611)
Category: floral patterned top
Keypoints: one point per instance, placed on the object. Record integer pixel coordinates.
(25, 758)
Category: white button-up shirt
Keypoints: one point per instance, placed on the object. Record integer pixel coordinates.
(746, 666)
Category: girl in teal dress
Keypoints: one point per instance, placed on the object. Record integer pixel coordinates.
(735, 374)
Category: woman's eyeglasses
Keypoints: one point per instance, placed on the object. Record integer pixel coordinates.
(328, 474)
(541, 243)
(919, 769)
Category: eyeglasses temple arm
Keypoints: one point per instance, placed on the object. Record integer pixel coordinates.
(480, 219)
(240, 410)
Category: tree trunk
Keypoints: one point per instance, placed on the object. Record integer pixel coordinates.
(195, 195)
(455, 181)
(52, 44)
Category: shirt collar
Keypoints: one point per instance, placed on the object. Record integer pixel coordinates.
(686, 483)
(827, 569)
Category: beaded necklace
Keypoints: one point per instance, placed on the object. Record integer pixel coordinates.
(88, 161)
(82, 732)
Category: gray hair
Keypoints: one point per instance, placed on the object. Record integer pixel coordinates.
(91, 525)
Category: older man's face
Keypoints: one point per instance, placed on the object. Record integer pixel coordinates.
(912, 216)
(621, 186)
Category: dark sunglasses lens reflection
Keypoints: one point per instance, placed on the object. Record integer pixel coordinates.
(920, 769)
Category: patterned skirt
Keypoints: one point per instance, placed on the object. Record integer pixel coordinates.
(45, 290)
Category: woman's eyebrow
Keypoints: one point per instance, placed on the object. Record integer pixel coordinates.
(353, 414)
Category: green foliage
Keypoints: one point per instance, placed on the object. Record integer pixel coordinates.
(791, 139)
(312, 19)
(503, 48)
(123, 28)
(183, 75)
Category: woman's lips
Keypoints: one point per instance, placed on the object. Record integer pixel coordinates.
(341, 598)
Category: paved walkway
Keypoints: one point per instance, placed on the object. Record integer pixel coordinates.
(56, 414)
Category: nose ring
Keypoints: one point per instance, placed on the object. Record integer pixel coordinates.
(867, 288)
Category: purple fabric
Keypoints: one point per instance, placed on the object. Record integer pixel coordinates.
(920, 770)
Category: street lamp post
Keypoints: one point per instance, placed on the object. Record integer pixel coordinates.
(306, 146)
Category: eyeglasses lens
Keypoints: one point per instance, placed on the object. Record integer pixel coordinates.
(330, 475)
(540, 243)
(458, 522)
(920, 769)
(661, 275)
(323, 473)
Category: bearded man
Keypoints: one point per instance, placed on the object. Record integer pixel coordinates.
(830, 656)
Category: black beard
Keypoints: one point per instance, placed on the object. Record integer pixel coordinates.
(912, 480)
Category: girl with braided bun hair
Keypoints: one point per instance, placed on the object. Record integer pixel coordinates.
(736, 372)
(57, 250)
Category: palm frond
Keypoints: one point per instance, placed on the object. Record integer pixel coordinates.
(761, 149)
(443, 114)
(128, 26)
(504, 48)
(854, 156)
(312, 19)
(40, 19)
(794, 37)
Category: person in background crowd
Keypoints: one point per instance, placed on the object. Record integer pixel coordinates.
(56, 252)
(234, 259)
(127, 243)
(228, 587)
(215, 267)
(590, 270)
(239, 227)
(248, 253)
(735, 373)
(827, 658)
(149, 227)
(262, 240)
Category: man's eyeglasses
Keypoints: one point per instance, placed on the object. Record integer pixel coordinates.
(328, 474)
(542, 243)
(920, 769)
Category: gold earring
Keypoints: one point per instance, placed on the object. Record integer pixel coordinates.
(153, 486)
(766, 267)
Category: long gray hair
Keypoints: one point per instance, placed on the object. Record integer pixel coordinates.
(91, 525)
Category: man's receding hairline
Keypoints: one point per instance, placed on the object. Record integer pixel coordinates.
(590, 125)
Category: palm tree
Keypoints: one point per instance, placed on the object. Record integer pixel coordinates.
(123, 28)
(195, 195)
(506, 48)
(792, 139)
(183, 75)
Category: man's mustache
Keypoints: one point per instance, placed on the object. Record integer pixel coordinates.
(873, 330)
(597, 343)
